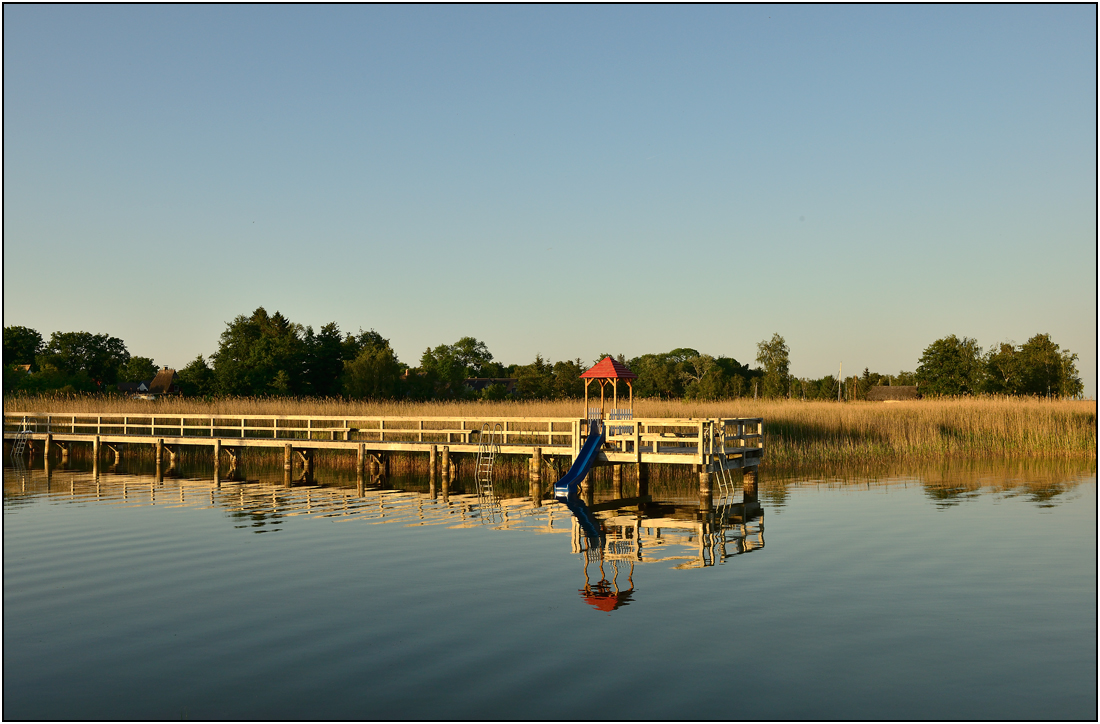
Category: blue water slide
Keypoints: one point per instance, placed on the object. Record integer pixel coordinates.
(569, 482)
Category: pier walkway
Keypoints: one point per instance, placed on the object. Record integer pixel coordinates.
(710, 445)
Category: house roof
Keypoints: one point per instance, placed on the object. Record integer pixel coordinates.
(609, 369)
(162, 383)
(881, 393)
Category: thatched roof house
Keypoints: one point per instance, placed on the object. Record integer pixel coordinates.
(896, 393)
(164, 383)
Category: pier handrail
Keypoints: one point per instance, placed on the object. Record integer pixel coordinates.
(698, 439)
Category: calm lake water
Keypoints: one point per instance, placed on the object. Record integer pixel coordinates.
(964, 592)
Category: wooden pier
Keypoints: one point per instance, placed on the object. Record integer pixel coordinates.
(710, 445)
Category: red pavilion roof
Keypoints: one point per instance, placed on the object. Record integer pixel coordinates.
(607, 369)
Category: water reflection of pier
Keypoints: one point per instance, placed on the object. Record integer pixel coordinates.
(665, 531)
(633, 529)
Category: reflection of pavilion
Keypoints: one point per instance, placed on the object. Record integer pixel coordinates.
(666, 531)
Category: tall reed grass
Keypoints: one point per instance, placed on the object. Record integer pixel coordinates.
(796, 432)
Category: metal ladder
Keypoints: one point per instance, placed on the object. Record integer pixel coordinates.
(726, 488)
(488, 447)
(20, 442)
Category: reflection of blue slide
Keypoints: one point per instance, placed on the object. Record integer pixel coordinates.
(567, 486)
(591, 527)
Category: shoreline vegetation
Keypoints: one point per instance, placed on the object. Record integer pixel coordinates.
(796, 432)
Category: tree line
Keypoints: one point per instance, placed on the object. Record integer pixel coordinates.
(268, 355)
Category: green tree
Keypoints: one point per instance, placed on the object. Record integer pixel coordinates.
(1047, 370)
(659, 374)
(374, 374)
(22, 345)
(356, 343)
(568, 384)
(448, 365)
(323, 361)
(1002, 370)
(494, 393)
(903, 378)
(137, 369)
(951, 366)
(260, 355)
(99, 356)
(775, 358)
(535, 381)
(197, 378)
(703, 378)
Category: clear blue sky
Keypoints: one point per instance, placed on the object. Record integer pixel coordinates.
(566, 180)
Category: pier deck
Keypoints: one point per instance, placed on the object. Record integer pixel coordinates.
(714, 443)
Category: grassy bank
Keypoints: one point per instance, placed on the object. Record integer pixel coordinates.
(795, 432)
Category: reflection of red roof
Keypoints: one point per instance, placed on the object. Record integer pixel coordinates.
(609, 368)
(606, 601)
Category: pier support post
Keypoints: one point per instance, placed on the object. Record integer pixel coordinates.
(446, 465)
(160, 451)
(217, 458)
(433, 462)
(534, 467)
(46, 454)
(95, 456)
(704, 481)
(643, 479)
(288, 463)
(617, 480)
(360, 462)
(749, 483)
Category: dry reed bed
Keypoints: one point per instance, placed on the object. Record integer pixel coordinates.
(796, 432)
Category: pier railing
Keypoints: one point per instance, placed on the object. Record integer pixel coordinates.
(681, 440)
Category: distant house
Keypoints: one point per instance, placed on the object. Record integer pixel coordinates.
(477, 384)
(163, 384)
(896, 393)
